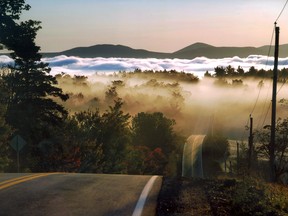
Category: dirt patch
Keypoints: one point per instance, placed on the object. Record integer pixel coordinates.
(183, 197)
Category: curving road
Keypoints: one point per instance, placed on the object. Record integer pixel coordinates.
(192, 157)
(63, 194)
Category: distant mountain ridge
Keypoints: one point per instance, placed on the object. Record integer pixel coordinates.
(189, 52)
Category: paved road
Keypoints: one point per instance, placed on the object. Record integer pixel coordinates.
(75, 194)
(192, 157)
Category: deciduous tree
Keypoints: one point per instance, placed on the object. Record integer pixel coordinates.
(281, 148)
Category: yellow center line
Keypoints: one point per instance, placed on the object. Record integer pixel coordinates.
(14, 181)
(18, 178)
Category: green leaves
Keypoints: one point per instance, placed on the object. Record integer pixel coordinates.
(31, 91)
(153, 130)
(13, 8)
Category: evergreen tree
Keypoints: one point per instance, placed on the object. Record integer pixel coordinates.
(30, 104)
(31, 87)
(5, 130)
(115, 137)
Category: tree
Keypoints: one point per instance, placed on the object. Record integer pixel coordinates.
(220, 72)
(230, 71)
(115, 137)
(31, 88)
(154, 131)
(240, 71)
(83, 132)
(207, 74)
(252, 71)
(281, 146)
(5, 130)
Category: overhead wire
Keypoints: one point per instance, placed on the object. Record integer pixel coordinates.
(265, 101)
(281, 11)
(275, 24)
(260, 87)
(268, 55)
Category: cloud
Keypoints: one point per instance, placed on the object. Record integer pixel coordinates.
(198, 66)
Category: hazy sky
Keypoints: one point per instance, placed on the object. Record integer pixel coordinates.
(157, 25)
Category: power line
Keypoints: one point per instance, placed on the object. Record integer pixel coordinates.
(270, 46)
(268, 55)
(281, 12)
(266, 115)
(260, 87)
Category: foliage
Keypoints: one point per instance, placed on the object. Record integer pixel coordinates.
(141, 160)
(221, 197)
(155, 162)
(154, 131)
(215, 150)
(82, 132)
(281, 145)
(174, 75)
(5, 130)
(248, 197)
(98, 142)
(222, 72)
(215, 147)
(135, 160)
(30, 104)
(115, 137)
(277, 195)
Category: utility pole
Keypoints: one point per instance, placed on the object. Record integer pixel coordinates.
(250, 150)
(273, 114)
(238, 157)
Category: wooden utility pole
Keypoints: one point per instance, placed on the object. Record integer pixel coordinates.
(274, 100)
(250, 150)
(238, 157)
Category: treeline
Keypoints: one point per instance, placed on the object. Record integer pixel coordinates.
(175, 76)
(231, 72)
(111, 142)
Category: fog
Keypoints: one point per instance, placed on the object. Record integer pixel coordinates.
(194, 106)
(89, 66)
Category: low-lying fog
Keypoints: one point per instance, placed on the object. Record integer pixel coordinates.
(193, 105)
(198, 66)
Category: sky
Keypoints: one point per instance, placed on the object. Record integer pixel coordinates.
(156, 25)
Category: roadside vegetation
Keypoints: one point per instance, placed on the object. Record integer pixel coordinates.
(221, 197)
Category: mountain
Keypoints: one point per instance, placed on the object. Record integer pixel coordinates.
(195, 47)
(108, 50)
(189, 52)
(200, 49)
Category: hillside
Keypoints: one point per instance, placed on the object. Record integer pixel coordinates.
(108, 50)
(189, 52)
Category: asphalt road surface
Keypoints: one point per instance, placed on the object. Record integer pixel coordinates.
(60, 194)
